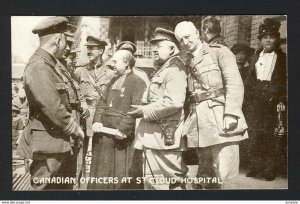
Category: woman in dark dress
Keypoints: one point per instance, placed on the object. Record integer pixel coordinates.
(267, 84)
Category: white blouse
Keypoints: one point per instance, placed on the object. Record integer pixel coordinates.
(265, 65)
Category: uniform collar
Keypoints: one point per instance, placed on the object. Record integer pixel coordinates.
(196, 52)
(214, 38)
(97, 66)
(172, 60)
(199, 57)
(46, 55)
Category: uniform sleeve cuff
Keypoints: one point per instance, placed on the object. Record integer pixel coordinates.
(149, 113)
(71, 127)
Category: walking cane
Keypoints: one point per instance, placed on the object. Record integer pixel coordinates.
(146, 158)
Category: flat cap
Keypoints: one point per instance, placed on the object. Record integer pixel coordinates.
(269, 26)
(51, 25)
(127, 45)
(163, 34)
(95, 41)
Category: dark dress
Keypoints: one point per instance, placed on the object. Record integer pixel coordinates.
(265, 95)
(113, 157)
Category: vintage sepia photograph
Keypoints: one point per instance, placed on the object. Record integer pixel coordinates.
(194, 102)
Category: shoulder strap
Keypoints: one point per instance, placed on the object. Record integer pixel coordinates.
(71, 82)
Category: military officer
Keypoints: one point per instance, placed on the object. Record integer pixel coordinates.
(69, 57)
(78, 104)
(160, 128)
(72, 61)
(51, 123)
(211, 30)
(94, 77)
(215, 122)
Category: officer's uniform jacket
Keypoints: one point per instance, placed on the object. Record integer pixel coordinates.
(214, 68)
(90, 77)
(218, 39)
(76, 99)
(165, 98)
(50, 117)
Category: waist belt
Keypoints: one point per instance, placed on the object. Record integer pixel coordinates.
(199, 97)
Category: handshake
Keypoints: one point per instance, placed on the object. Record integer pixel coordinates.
(98, 127)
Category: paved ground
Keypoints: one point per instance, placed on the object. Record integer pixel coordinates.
(242, 182)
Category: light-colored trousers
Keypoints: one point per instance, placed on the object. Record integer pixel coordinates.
(169, 162)
(226, 161)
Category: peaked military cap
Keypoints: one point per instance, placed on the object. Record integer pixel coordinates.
(127, 45)
(70, 32)
(163, 34)
(269, 26)
(51, 25)
(95, 41)
(74, 50)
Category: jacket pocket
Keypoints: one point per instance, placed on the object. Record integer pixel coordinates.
(209, 75)
(62, 89)
(218, 110)
(156, 86)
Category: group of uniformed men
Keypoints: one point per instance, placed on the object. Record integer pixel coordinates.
(193, 104)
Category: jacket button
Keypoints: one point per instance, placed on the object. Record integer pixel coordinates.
(207, 94)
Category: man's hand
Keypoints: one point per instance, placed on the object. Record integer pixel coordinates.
(97, 127)
(120, 135)
(80, 133)
(78, 143)
(230, 122)
(138, 112)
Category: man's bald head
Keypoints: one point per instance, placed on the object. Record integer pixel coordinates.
(183, 26)
(127, 57)
(187, 35)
